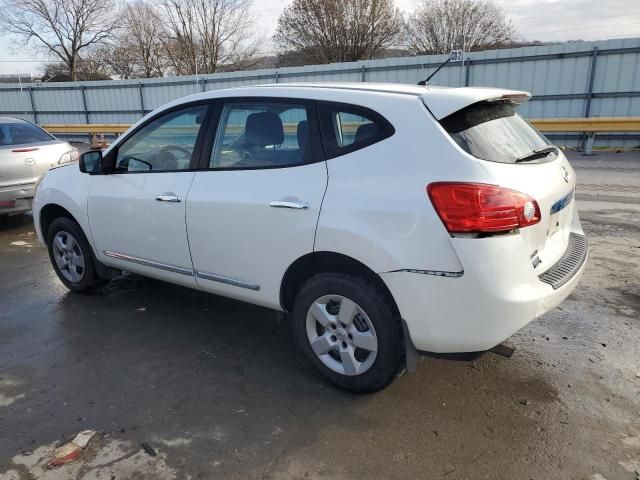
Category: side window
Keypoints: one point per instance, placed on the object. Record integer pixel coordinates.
(347, 128)
(261, 135)
(165, 144)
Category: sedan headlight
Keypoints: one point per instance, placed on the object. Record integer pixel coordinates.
(71, 156)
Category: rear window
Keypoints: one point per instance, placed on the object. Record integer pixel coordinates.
(494, 131)
(20, 133)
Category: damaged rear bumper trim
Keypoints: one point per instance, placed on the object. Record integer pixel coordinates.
(437, 273)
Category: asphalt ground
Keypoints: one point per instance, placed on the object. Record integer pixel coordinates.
(217, 390)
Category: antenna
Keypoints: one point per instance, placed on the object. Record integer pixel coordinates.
(425, 82)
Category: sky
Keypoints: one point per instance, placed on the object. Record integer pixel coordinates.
(546, 20)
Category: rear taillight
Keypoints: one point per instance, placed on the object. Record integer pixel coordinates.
(9, 204)
(482, 208)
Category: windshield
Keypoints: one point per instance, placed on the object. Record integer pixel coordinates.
(494, 131)
(20, 133)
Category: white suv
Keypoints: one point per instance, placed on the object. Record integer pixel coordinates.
(385, 219)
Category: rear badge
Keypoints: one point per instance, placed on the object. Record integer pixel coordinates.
(565, 173)
(563, 202)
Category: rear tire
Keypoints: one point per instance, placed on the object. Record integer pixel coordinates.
(71, 256)
(349, 331)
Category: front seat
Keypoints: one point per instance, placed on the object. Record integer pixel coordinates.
(263, 129)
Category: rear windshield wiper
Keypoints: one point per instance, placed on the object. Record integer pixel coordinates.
(537, 153)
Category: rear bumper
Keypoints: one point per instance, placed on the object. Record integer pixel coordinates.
(497, 295)
(22, 195)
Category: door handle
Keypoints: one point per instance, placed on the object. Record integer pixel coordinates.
(297, 205)
(168, 197)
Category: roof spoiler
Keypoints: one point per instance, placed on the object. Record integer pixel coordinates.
(442, 103)
(519, 97)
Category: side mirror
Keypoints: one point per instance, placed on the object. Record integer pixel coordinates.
(91, 162)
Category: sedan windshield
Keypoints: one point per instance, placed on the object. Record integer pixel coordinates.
(494, 131)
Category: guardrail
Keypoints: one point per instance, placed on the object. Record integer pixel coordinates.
(96, 130)
(589, 126)
(82, 128)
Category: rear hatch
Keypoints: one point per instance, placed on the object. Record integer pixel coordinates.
(516, 156)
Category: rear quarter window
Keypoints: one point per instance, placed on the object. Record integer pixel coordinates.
(494, 131)
(346, 128)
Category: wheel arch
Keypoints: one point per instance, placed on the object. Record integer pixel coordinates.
(51, 211)
(327, 262)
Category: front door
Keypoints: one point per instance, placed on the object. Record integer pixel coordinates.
(254, 208)
(137, 212)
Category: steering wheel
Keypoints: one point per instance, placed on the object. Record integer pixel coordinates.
(168, 159)
(179, 148)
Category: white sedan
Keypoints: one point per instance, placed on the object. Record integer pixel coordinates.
(384, 219)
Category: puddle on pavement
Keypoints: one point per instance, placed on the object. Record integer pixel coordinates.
(8, 391)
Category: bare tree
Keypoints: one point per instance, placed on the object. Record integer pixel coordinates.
(439, 26)
(143, 32)
(137, 49)
(338, 30)
(206, 36)
(119, 59)
(62, 28)
(86, 69)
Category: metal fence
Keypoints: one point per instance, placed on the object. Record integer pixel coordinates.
(580, 79)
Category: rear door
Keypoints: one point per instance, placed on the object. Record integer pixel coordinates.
(253, 208)
(492, 131)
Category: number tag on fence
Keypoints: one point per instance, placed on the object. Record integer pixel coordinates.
(456, 55)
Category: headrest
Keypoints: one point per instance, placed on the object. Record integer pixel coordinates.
(264, 128)
(303, 133)
(365, 131)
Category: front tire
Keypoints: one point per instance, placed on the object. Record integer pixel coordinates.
(71, 255)
(349, 331)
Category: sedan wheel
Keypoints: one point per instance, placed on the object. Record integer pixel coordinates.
(68, 256)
